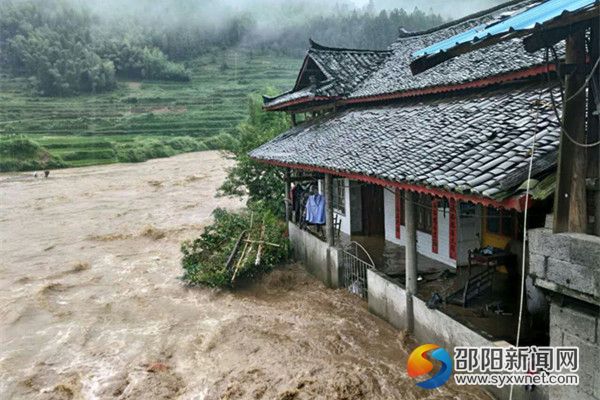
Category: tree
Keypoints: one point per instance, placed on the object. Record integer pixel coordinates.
(260, 182)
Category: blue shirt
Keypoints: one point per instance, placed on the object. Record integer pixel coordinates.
(315, 209)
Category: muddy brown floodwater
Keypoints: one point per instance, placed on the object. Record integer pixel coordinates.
(91, 306)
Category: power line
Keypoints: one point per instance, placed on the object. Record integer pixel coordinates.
(554, 106)
(586, 83)
(523, 255)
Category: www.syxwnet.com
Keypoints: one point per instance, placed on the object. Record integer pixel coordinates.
(500, 380)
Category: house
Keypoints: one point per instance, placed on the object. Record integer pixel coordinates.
(420, 172)
(564, 259)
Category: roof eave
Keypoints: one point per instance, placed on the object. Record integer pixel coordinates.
(514, 202)
(302, 101)
(537, 70)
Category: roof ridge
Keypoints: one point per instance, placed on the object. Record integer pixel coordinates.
(316, 46)
(406, 34)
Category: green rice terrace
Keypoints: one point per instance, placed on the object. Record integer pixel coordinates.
(138, 120)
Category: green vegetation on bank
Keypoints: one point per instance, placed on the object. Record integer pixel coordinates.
(140, 119)
(236, 247)
(243, 245)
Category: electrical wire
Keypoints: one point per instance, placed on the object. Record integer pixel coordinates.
(586, 83)
(555, 107)
(524, 253)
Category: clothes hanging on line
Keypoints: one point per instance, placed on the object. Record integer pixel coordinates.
(315, 209)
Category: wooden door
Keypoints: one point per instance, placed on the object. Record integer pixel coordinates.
(372, 210)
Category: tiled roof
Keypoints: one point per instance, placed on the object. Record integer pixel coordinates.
(342, 69)
(550, 13)
(476, 145)
(394, 75)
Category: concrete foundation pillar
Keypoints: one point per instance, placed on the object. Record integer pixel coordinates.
(411, 257)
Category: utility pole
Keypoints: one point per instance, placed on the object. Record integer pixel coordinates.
(594, 126)
(411, 258)
(570, 213)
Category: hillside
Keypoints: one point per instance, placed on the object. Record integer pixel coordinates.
(139, 120)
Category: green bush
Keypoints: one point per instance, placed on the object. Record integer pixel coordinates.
(21, 154)
(90, 155)
(222, 141)
(205, 259)
(182, 144)
(19, 147)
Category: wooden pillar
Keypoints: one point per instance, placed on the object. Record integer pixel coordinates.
(569, 200)
(288, 202)
(410, 219)
(328, 189)
(594, 128)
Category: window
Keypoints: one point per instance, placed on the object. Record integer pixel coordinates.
(499, 222)
(468, 210)
(424, 213)
(339, 195)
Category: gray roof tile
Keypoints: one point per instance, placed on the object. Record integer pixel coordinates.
(427, 142)
(342, 69)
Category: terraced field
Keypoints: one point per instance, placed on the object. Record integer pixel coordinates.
(139, 120)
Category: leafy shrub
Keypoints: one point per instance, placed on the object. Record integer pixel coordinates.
(21, 154)
(205, 259)
(90, 155)
(185, 144)
(222, 141)
(19, 147)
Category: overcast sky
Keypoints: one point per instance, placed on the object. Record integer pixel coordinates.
(291, 9)
(448, 8)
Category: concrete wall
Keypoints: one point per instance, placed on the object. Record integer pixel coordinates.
(573, 325)
(423, 238)
(387, 300)
(318, 258)
(568, 264)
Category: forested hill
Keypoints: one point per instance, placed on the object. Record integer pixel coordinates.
(67, 49)
(86, 82)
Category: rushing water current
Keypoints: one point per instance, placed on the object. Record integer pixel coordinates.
(91, 306)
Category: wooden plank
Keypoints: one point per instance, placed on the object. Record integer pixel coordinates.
(434, 226)
(235, 250)
(570, 213)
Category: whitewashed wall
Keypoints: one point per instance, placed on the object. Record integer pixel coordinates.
(423, 239)
(345, 217)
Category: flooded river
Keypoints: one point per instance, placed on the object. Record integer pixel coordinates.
(91, 306)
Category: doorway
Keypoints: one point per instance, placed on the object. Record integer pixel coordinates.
(373, 223)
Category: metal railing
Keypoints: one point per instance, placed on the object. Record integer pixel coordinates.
(355, 261)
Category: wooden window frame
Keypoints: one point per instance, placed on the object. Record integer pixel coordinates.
(339, 195)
